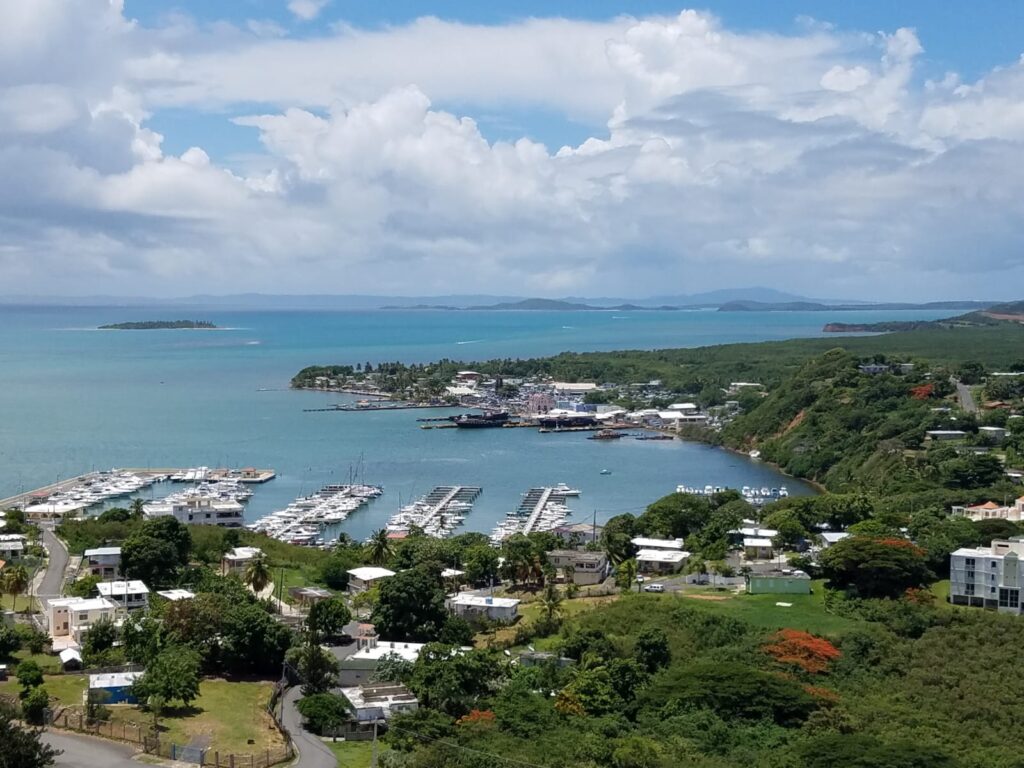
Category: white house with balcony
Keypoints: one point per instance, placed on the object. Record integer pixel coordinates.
(988, 577)
(71, 617)
(130, 595)
(364, 578)
(226, 513)
(103, 562)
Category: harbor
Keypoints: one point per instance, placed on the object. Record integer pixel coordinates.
(438, 513)
(306, 520)
(541, 509)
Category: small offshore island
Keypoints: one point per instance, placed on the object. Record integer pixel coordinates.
(161, 325)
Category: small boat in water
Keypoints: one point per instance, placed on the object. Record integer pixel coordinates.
(606, 471)
(606, 434)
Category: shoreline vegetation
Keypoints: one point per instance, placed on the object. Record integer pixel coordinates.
(990, 316)
(161, 325)
(559, 305)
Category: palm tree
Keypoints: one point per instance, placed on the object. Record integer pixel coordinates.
(137, 508)
(551, 602)
(627, 574)
(257, 574)
(15, 582)
(380, 547)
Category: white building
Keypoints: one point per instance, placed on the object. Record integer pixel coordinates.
(579, 387)
(238, 559)
(484, 606)
(945, 434)
(992, 511)
(379, 701)
(828, 538)
(362, 579)
(757, 548)
(129, 595)
(174, 595)
(995, 434)
(11, 547)
(660, 560)
(359, 667)
(671, 545)
(71, 617)
(104, 562)
(988, 577)
(227, 513)
(587, 567)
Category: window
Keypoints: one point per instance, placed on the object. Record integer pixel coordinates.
(969, 590)
(969, 562)
(1009, 598)
(995, 564)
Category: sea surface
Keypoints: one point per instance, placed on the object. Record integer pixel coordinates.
(74, 399)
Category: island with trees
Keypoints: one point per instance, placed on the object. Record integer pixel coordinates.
(161, 325)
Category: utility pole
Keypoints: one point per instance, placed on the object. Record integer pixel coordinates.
(373, 753)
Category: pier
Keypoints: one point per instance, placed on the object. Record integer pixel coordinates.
(385, 405)
(539, 503)
(437, 513)
(542, 509)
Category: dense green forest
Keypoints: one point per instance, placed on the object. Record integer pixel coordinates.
(159, 325)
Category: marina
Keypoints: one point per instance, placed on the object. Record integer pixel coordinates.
(438, 513)
(305, 521)
(542, 509)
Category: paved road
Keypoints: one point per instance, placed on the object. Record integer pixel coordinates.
(312, 752)
(963, 393)
(84, 752)
(53, 579)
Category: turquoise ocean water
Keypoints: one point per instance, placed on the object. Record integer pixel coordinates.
(74, 399)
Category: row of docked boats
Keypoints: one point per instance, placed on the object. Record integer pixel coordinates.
(438, 513)
(306, 519)
(751, 494)
(93, 489)
(542, 509)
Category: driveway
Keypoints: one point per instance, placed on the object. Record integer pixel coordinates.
(963, 393)
(84, 752)
(312, 752)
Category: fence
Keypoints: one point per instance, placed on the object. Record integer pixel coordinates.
(141, 736)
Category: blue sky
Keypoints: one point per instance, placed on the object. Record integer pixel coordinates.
(858, 150)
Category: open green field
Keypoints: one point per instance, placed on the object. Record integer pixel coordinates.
(353, 754)
(23, 603)
(67, 689)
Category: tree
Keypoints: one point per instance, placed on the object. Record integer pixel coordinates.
(22, 747)
(323, 712)
(16, 581)
(100, 637)
(334, 571)
(172, 675)
(328, 617)
(156, 550)
(9, 641)
(551, 603)
(252, 641)
(451, 680)
(29, 676)
(875, 567)
(34, 706)
(379, 547)
(138, 508)
(143, 638)
(317, 668)
(481, 564)
(411, 606)
(85, 587)
(652, 649)
(257, 574)
(625, 574)
(865, 751)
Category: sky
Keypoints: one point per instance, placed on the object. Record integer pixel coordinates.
(868, 150)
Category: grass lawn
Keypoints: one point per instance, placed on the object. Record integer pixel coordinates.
(354, 754)
(67, 689)
(807, 611)
(224, 717)
(295, 576)
(23, 603)
(531, 611)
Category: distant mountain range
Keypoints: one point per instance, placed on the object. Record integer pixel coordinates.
(727, 300)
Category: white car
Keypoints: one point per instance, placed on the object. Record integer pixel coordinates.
(654, 588)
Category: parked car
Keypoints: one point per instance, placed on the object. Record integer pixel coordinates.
(641, 579)
(654, 588)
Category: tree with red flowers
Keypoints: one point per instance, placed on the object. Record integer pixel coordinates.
(802, 649)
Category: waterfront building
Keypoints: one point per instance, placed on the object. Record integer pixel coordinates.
(470, 606)
(988, 577)
(364, 578)
(130, 595)
(587, 567)
(237, 560)
(103, 562)
(199, 510)
(71, 617)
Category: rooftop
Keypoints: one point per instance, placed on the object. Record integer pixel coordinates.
(648, 543)
(756, 541)
(407, 651)
(579, 555)
(243, 553)
(177, 594)
(113, 679)
(82, 603)
(484, 601)
(103, 551)
(115, 588)
(370, 572)
(661, 556)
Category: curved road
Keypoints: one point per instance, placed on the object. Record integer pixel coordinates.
(53, 579)
(312, 752)
(85, 752)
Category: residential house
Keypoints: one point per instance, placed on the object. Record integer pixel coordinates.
(988, 577)
(364, 578)
(103, 562)
(70, 659)
(130, 595)
(307, 596)
(669, 545)
(579, 534)
(828, 538)
(12, 546)
(873, 369)
(379, 700)
(990, 510)
(117, 686)
(469, 606)
(71, 617)
(660, 560)
(758, 548)
(237, 560)
(359, 667)
(587, 567)
(993, 434)
(940, 435)
(174, 595)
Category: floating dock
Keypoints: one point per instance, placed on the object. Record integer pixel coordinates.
(439, 512)
(542, 509)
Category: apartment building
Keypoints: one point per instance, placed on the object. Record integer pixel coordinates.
(988, 577)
